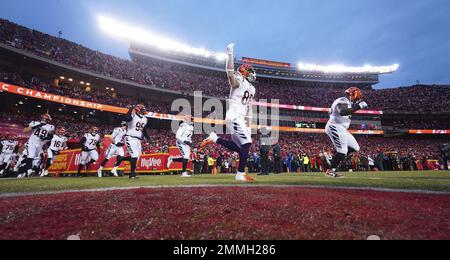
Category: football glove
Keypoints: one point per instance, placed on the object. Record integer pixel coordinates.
(230, 49)
(363, 105)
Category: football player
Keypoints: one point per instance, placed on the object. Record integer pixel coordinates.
(184, 142)
(8, 150)
(337, 128)
(136, 132)
(116, 147)
(90, 149)
(240, 101)
(58, 144)
(41, 133)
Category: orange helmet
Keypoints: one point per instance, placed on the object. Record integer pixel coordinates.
(140, 109)
(46, 118)
(60, 131)
(354, 94)
(248, 72)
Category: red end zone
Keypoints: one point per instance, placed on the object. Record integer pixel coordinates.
(227, 213)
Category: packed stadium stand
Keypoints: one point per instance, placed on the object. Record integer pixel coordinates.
(53, 65)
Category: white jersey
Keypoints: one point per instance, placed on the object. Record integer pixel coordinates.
(241, 98)
(91, 141)
(136, 126)
(185, 132)
(8, 147)
(39, 135)
(335, 113)
(118, 135)
(58, 143)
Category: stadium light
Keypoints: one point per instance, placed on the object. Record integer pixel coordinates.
(132, 33)
(367, 69)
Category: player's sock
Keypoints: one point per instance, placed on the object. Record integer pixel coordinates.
(104, 163)
(243, 157)
(133, 164)
(80, 168)
(121, 159)
(337, 159)
(229, 144)
(28, 166)
(185, 163)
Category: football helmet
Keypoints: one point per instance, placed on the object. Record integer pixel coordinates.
(46, 118)
(248, 72)
(354, 94)
(140, 109)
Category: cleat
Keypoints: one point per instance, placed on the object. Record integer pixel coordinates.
(212, 139)
(185, 175)
(1, 172)
(332, 174)
(244, 178)
(114, 171)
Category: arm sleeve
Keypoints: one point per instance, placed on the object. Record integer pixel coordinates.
(345, 111)
(129, 115)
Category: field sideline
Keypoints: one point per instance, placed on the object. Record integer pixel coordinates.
(420, 181)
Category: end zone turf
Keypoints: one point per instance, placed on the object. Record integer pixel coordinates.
(272, 208)
(258, 213)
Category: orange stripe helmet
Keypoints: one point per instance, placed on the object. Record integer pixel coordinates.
(140, 109)
(248, 72)
(354, 94)
(46, 118)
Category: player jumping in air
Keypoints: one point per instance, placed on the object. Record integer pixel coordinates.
(240, 101)
(8, 149)
(184, 142)
(41, 133)
(116, 147)
(136, 131)
(90, 149)
(337, 128)
(58, 144)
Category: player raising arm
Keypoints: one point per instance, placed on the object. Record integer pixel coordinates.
(136, 132)
(339, 123)
(240, 101)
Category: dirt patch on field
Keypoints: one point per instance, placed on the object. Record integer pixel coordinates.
(226, 213)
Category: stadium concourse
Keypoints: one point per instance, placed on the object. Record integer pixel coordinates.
(53, 65)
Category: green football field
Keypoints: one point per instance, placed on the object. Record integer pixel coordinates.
(424, 181)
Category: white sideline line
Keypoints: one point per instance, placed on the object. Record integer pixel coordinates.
(427, 192)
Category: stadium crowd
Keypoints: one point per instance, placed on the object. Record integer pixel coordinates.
(298, 153)
(420, 98)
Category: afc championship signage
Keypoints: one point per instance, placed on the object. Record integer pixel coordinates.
(59, 99)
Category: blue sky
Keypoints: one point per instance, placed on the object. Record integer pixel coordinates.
(413, 33)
